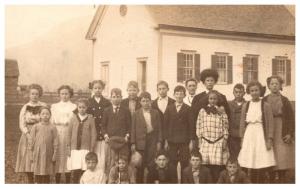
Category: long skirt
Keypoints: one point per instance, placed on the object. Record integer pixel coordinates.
(284, 153)
(24, 155)
(254, 153)
(62, 157)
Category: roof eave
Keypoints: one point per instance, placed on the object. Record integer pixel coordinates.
(95, 23)
(248, 34)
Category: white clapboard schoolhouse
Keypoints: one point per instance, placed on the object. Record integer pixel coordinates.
(176, 42)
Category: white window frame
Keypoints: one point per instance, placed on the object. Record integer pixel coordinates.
(281, 61)
(251, 71)
(187, 68)
(105, 80)
(219, 54)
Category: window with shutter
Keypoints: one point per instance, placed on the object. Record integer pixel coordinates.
(281, 66)
(188, 65)
(250, 68)
(222, 62)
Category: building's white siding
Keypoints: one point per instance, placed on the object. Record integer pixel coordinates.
(121, 41)
(172, 44)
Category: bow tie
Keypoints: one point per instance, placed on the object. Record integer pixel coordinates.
(211, 109)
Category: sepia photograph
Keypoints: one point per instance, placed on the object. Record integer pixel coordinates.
(150, 94)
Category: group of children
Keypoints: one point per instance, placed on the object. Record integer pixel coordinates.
(137, 140)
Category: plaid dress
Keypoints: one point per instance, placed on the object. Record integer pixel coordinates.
(212, 131)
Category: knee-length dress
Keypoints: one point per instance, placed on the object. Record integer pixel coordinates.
(254, 153)
(61, 115)
(29, 115)
(212, 131)
(45, 143)
(284, 153)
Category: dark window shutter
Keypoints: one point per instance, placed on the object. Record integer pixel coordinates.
(245, 70)
(274, 66)
(255, 61)
(288, 72)
(180, 65)
(197, 66)
(229, 70)
(214, 61)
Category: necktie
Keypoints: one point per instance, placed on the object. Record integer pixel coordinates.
(116, 109)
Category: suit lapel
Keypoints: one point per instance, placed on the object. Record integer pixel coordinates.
(142, 118)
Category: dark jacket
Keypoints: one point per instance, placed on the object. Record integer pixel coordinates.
(288, 118)
(240, 177)
(204, 175)
(169, 175)
(154, 105)
(139, 129)
(96, 110)
(201, 101)
(178, 126)
(125, 103)
(235, 115)
(116, 124)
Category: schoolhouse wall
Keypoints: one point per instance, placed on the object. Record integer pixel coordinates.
(121, 41)
(172, 44)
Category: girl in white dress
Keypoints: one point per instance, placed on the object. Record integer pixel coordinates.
(61, 115)
(257, 132)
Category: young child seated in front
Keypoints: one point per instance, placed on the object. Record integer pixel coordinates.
(122, 172)
(233, 173)
(162, 172)
(196, 173)
(92, 175)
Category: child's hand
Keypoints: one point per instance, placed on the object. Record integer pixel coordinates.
(68, 151)
(166, 145)
(287, 139)
(269, 144)
(126, 138)
(106, 138)
(191, 145)
(158, 146)
(54, 157)
(224, 144)
(133, 148)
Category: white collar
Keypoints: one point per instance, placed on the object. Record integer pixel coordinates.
(98, 99)
(206, 91)
(165, 98)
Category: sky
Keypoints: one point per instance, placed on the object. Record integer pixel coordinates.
(25, 23)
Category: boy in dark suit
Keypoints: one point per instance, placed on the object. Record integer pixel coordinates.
(146, 133)
(162, 101)
(116, 126)
(235, 115)
(96, 106)
(179, 131)
(233, 173)
(196, 173)
(162, 172)
(132, 102)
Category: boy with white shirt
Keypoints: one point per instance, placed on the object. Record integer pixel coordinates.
(162, 101)
(191, 87)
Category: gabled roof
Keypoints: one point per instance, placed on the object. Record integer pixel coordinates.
(244, 19)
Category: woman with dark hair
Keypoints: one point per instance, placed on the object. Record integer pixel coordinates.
(284, 128)
(61, 115)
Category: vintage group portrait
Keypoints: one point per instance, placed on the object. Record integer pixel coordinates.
(150, 94)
